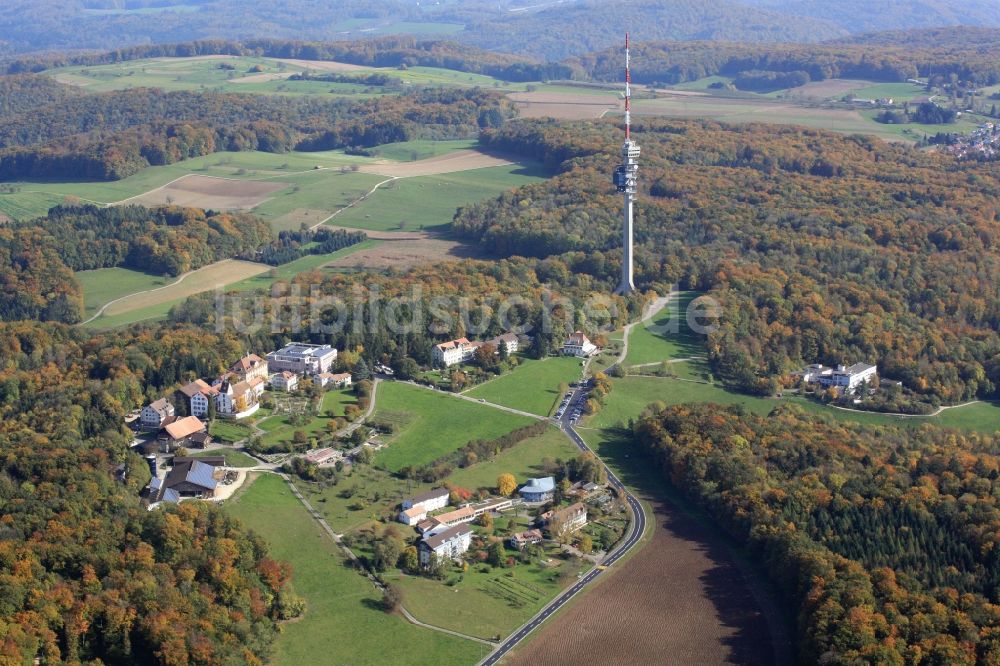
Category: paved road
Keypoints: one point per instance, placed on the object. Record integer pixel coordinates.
(638, 527)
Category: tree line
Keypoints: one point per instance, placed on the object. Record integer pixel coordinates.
(883, 540)
(110, 136)
(668, 63)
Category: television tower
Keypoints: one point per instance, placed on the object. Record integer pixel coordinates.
(625, 181)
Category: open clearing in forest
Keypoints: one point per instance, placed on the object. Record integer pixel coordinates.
(460, 160)
(210, 193)
(209, 277)
(407, 252)
(565, 106)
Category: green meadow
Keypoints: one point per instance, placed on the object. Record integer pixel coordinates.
(342, 623)
(531, 387)
(430, 424)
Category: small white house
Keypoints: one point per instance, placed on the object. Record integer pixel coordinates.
(334, 380)
(413, 515)
(508, 342)
(578, 345)
(285, 381)
(450, 543)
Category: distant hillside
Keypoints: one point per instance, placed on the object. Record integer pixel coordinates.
(872, 15)
(877, 57)
(563, 31)
(967, 37)
(567, 28)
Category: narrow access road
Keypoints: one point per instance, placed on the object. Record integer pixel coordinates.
(479, 401)
(637, 529)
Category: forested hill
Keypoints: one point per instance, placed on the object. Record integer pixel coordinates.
(883, 540)
(866, 16)
(88, 574)
(567, 30)
(885, 57)
(820, 247)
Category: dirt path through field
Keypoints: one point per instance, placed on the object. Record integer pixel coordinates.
(208, 277)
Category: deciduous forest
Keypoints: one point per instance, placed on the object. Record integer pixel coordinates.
(883, 540)
(820, 247)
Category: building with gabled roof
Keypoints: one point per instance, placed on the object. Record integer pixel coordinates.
(250, 367)
(189, 478)
(522, 539)
(450, 543)
(454, 351)
(464, 515)
(432, 500)
(197, 395)
(156, 413)
(578, 344)
(567, 520)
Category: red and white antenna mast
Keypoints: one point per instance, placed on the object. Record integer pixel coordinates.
(625, 178)
(628, 92)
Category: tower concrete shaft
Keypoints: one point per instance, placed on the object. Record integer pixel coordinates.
(625, 178)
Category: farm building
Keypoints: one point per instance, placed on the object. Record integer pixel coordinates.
(179, 432)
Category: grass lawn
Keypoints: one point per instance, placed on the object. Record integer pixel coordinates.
(106, 284)
(233, 458)
(531, 387)
(228, 431)
(431, 424)
(342, 624)
(484, 601)
(430, 202)
(420, 149)
(900, 92)
(666, 335)
(524, 461)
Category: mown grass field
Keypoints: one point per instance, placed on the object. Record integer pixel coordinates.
(524, 461)
(431, 424)
(631, 395)
(531, 387)
(107, 284)
(342, 624)
(429, 202)
(665, 336)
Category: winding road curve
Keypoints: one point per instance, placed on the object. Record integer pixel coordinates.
(637, 526)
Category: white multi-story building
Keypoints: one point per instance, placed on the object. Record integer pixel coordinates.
(285, 381)
(842, 378)
(197, 394)
(156, 413)
(302, 358)
(236, 399)
(250, 367)
(508, 342)
(432, 500)
(454, 351)
(450, 543)
(579, 345)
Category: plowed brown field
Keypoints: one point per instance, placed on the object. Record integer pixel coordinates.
(682, 600)
(211, 192)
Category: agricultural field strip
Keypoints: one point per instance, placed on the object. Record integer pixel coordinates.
(233, 180)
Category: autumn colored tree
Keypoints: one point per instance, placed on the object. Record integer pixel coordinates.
(506, 484)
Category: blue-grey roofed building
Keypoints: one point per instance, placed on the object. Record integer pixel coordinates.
(302, 358)
(538, 490)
